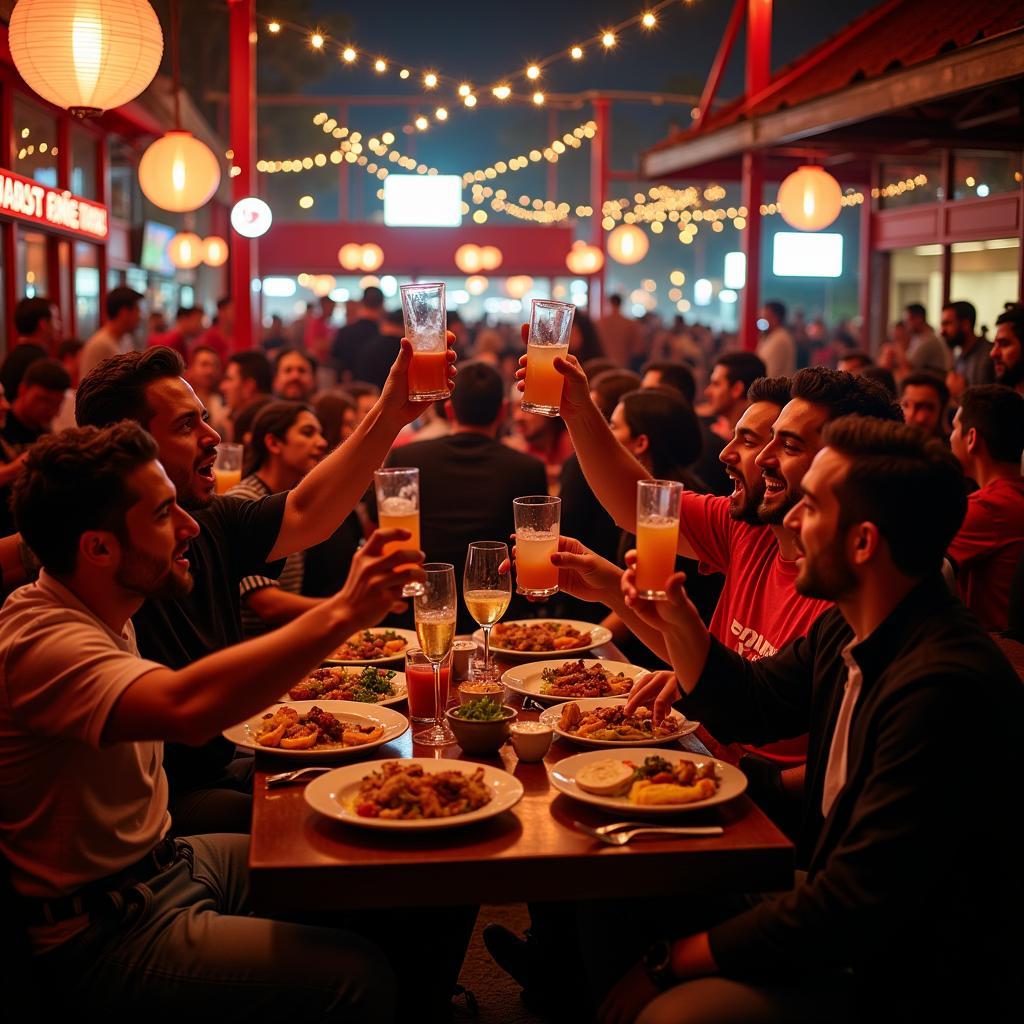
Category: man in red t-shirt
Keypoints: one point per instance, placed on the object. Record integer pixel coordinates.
(987, 439)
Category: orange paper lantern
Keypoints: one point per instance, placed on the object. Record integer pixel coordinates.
(178, 172)
(490, 257)
(215, 251)
(810, 198)
(185, 250)
(584, 259)
(628, 244)
(469, 259)
(518, 285)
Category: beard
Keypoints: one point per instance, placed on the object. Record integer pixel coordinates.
(826, 575)
(773, 515)
(748, 508)
(1012, 375)
(151, 577)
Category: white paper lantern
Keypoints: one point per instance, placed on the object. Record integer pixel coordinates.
(178, 172)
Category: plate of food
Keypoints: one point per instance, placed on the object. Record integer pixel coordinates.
(603, 722)
(372, 647)
(641, 780)
(552, 682)
(414, 794)
(318, 729)
(363, 684)
(524, 637)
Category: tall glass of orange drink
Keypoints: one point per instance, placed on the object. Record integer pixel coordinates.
(425, 324)
(550, 325)
(227, 469)
(398, 507)
(537, 519)
(657, 535)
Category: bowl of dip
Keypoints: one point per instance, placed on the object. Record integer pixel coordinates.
(531, 740)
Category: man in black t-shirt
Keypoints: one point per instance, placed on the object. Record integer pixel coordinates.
(354, 337)
(39, 398)
(237, 538)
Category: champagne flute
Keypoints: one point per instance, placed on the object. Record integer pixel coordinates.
(435, 612)
(485, 590)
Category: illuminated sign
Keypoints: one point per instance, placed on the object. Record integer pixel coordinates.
(803, 254)
(51, 207)
(415, 200)
(251, 217)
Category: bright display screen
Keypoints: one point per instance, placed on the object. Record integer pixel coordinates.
(807, 254)
(420, 200)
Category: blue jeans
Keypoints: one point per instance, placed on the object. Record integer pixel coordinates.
(183, 943)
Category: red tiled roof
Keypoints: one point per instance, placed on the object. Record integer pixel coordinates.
(895, 35)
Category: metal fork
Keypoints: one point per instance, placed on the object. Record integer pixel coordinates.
(283, 778)
(621, 838)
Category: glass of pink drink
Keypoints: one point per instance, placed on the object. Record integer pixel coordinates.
(657, 535)
(537, 519)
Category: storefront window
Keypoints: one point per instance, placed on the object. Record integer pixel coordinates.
(909, 183)
(985, 274)
(915, 275)
(83, 164)
(981, 174)
(35, 142)
(123, 200)
(32, 278)
(87, 289)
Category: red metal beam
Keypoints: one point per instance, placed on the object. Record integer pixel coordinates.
(599, 157)
(721, 61)
(750, 300)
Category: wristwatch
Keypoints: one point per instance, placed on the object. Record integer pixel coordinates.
(658, 964)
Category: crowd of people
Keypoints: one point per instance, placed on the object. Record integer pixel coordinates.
(851, 539)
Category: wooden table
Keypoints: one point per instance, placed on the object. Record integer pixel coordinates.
(302, 862)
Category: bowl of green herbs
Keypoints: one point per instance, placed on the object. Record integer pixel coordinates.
(481, 726)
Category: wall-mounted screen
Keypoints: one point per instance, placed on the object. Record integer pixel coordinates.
(421, 200)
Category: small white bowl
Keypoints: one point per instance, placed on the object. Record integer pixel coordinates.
(531, 740)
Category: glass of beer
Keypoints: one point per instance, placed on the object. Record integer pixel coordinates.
(435, 611)
(425, 325)
(485, 590)
(550, 324)
(227, 470)
(657, 535)
(419, 681)
(398, 506)
(537, 519)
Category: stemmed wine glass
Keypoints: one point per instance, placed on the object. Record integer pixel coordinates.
(486, 590)
(435, 610)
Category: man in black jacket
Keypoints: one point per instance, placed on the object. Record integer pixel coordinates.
(912, 896)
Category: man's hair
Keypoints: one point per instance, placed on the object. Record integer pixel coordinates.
(373, 298)
(330, 408)
(1013, 314)
(293, 351)
(362, 388)
(742, 366)
(69, 347)
(75, 481)
(916, 309)
(223, 302)
(963, 311)
(253, 365)
(48, 374)
(29, 313)
(924, 379)
(275, 418)
(615, 300)
(858, 356)
(997, 414)
(184, 311)
(121, 298)
(778, 308)
(677, 376)
(880, 375)
(843, 394)
(592, 367)
(116, 389)
(477, 394)
(777, 390)
(200, 350)
(609, 386)
(895, 473)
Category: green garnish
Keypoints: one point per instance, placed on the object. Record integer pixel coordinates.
(373, 683)
(483, 709)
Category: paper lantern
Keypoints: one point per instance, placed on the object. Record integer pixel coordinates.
(469, 259)
(369, 281)
(185, 250)
(584, 259)
(372, 257)
(251, 217)
(86, 56)
(215, 251)
(810, 198)
(178, 172)
(476, 285)
(322, 284)
(628, 244)
(350, 255)
(518, 286)
(490, 257)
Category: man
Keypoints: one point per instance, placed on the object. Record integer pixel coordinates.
(726, 391)
(248, 378)
(374, 358)
(294, 375)
(621, 338)
(220, 334)
(971, 364)
(468, 479)
(204, 374)
(882, 680)
(925, 352)
(316, 334)
(238, 538)
(125, 918)
(1006, 354)
(37, 322)
(115, 336)
(40, 396)
(351, 339)
(777, 349)
(988, 440)
(855, 362)
(924, 399)
(188, 325)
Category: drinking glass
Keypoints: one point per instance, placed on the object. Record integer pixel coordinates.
(550, 325)
(398, 507)
(657, 535)
(485, 590)
(419, 681)
(227, 469)
(425, 326)
(537, 519)
(435, 612)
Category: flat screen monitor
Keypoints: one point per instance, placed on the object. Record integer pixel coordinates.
(419, 200)
(155, 239)
(807, 254)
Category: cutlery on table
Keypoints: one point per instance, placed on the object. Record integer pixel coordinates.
(283, 778)
(621, 838)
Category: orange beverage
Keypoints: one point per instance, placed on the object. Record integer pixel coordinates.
(535, 573)
(543, 382)
(225, 479)
(420, 681)
(400, 514)
(428, 375)
(656, 541)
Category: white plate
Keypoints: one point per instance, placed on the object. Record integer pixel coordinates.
(562, 775)
(332, 793)
(244, 734)
(408, 635)
(553, 714)
(598, 635)
(527, 679)
(398, 682)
